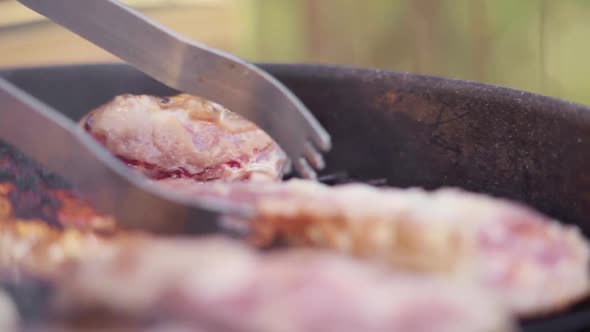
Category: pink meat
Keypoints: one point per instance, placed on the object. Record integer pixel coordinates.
(184, 137)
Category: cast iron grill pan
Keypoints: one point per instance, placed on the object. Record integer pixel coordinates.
(388, 128)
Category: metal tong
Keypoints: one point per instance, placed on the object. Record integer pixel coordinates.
(49, 137)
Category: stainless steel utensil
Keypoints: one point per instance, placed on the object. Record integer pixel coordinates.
(196, 69)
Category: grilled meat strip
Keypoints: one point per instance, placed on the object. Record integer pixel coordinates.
(219, 284)
(535, 264)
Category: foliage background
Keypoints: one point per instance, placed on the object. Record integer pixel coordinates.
(535, 45)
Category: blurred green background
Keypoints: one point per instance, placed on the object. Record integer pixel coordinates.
(535, 45)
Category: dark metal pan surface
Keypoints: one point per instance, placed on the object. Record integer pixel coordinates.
(409, 130)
